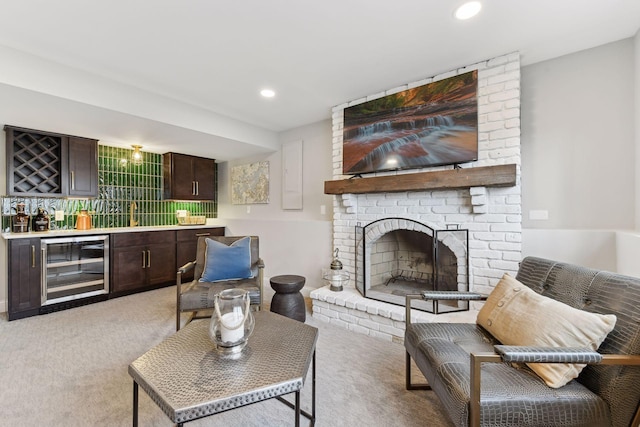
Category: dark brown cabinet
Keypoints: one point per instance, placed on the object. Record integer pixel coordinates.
(46, 163)
(83, 167)
(24, 290)
(187, 243)
(142, 260)
(188, 177)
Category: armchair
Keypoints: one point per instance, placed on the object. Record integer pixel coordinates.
(482, 382)
(198, 296)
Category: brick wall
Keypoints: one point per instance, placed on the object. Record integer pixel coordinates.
(492, 215)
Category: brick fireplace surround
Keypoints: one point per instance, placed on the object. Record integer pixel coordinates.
(492, 215)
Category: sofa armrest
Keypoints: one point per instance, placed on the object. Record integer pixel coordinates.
(529, 354)
(550, 355)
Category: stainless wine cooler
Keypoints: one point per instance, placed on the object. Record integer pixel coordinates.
(74, 268)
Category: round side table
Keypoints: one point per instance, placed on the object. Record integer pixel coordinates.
(288, 301)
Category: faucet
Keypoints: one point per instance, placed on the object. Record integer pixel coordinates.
(132, 208)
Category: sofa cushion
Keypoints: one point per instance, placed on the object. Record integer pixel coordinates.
(227, 262)
(516, 315)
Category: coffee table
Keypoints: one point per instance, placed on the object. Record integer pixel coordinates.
(188, 379)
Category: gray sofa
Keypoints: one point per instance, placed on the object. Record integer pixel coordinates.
(475, 378)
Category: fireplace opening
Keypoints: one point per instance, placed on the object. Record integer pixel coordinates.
(396, 257)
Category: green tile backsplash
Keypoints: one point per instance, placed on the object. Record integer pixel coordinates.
(120, 182)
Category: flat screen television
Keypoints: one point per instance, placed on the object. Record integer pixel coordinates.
(431, 125)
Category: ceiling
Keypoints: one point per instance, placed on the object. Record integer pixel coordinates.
(185, 75)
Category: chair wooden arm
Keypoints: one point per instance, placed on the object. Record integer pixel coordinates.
(187, 267)
(260, 264)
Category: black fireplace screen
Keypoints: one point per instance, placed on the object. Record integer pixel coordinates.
(396, 257)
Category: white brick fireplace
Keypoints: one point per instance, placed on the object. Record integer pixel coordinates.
(491, 214)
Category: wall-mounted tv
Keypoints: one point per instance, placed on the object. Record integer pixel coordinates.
(431, 125)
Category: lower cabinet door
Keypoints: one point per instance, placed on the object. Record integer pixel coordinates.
(161, 263)
(129, 271)
(24, 289)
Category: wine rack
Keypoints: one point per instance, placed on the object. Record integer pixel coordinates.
(36, 162)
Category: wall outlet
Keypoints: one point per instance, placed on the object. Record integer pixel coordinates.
(59, 215)
(181, 213)
(538, 215)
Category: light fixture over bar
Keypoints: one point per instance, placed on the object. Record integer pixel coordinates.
(136, 156)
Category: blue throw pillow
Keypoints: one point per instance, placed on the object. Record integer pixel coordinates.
(224, 262)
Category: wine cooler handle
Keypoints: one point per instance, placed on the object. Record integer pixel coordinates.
(43, 280)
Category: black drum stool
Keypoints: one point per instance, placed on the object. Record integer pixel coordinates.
(288, 301)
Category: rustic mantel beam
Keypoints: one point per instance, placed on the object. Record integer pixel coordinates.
(483, 176)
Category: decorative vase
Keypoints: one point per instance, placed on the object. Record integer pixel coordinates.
(83, 222)
(20, 221)
(232, 322)
(41, 221)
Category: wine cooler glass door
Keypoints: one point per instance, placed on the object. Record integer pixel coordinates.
(74, 267)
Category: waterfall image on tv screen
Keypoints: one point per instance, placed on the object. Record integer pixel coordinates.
(430, 125)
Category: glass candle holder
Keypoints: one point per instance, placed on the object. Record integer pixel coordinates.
(232, 322)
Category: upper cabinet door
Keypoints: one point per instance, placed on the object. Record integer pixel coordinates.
(43, 163)
(205, 178)
(83, 167)
(188, 177)
(178, 177)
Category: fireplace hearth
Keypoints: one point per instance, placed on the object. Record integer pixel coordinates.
(397, 256)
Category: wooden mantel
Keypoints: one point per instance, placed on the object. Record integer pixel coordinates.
(483, 176)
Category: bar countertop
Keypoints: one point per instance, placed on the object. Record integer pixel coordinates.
(92, 231)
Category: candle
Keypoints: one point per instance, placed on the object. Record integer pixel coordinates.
(228, 322)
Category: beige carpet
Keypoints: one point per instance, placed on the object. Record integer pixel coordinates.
(70, 369)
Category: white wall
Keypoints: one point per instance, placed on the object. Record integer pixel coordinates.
(628, 251)
(579, 156)
(578, 139)
(291, 241)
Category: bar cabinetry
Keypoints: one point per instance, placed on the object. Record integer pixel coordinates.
(24, 278)
(142, 260)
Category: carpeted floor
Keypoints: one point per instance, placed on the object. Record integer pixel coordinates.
(70, 369)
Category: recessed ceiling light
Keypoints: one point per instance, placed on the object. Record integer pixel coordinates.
(267, 93)
(468, 10)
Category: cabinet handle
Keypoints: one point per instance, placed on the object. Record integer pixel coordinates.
(197, 188)
(73, 180)
(43, 278)
(144, 256)
(33, 256)
(149, 259)
(193, 188)
(202, 234)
